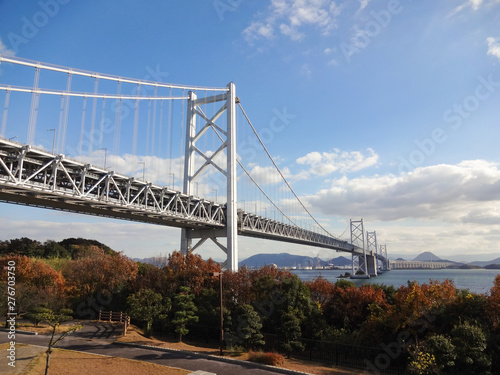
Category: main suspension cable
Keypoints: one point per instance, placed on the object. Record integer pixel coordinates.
(279, 171)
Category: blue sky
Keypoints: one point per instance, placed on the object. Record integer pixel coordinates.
(393, 106)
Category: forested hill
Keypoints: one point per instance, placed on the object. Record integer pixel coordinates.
(67, 248)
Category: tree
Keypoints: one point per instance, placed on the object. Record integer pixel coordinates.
(493, 305)
(54, 320)
(52, 249)
(470, 345)
(321, 290)
(184, 311)
(147, 305)
(190, 270)
(37, 314)
(99, 272)
(24, 246)
(245, 328)
(290, 331)
(443, 350)
(36, 283)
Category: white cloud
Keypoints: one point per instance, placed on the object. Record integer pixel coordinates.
(474, 5)
(258, 30)
(468, 192)
(363, 4)
(4, 50)
(289, 17)
(325, 163)
(494, 47)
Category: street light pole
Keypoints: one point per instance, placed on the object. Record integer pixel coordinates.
(221, 338)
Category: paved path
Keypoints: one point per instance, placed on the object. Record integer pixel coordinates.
(85, 342)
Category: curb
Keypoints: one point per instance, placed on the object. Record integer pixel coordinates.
(215, 358)
(19, 331)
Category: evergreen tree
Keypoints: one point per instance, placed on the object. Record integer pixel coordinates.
(245, 328)
(290, 332)
(146, 306)
(184, 311)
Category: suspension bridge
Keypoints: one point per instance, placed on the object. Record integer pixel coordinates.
(157, 153)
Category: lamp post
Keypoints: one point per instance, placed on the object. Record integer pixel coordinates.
(221, 337)
(12, 138)
(105, 155)
(54, 138)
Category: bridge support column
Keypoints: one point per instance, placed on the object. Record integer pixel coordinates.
(191, 173)
(359, 266)
(371, 264)
(386, 264)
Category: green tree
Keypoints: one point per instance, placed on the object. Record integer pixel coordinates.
(470, 345)
(37, 314)
(245, 328)
(443, 351)
(146, 306)
(52, 249)
(184, 311)
(290, 331)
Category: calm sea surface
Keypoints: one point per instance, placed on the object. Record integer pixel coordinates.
(477, 281)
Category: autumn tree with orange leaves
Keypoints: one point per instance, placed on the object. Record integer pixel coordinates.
(36, 283)
(99, 272)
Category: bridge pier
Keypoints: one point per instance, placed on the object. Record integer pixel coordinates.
(371, 264)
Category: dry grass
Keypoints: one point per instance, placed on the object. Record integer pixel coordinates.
(68, 362)
(135, 335)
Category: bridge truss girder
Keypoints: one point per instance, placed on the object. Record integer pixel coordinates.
(37, 178)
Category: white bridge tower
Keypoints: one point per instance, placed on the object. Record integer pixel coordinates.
(227, 135)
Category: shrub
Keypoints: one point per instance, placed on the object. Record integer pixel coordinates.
(271, 359)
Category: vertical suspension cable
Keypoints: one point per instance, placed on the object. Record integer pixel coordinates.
(153, 135)
(160, 139)
(136, 121)
(5, 113)
(62, 137)
(169, 133)
(34, 108)
(103, 118)
(60, 124)
(94, 112)
(82, 127)
(118, 121)
(148, 127)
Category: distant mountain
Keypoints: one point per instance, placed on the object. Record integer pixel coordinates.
(428, 257)
(290, 260)
(486, 263)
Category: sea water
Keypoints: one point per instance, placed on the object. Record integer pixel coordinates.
(477, 280)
